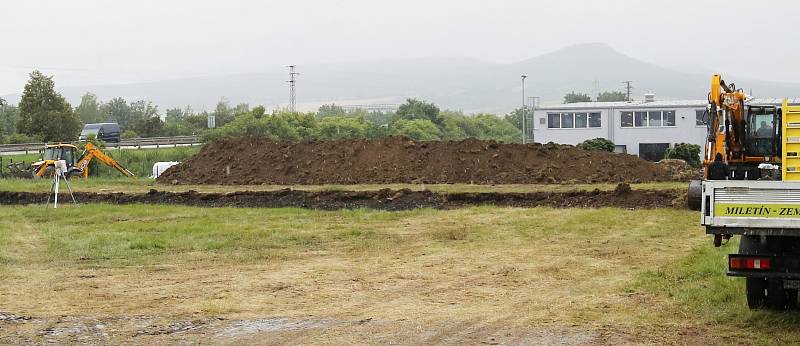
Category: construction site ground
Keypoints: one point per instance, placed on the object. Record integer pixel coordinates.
(145, 274)
(143, 185)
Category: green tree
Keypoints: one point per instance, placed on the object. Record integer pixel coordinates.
(143, 110)
(419, 129)
(258, 111)
(241, 108)
(482, 126)
(149, 127)
(335, 127)
(119, 111)
(8, 117)
(304, 124)
(330, 110)
(44, 113)
(377, 118)
(223, 113)
(89, 109)
(515, 118)
(573, 97)
(598, 143)
(174, 115)
(611, 96)
(414, 109)
(685, 151)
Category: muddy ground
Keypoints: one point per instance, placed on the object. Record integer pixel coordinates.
(17, 329)
(255, 161)
(384, 199)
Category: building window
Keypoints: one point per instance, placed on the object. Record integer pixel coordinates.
(640, 119)
(647, 119)
(573, 120)
(654, 119)
(567, 120)
(553, 120)
(653, 151)
(700, 117)
(669, 118)
(580, 120)
(594, 120)
(627, 119)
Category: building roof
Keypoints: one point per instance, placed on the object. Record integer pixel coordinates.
(639, 104)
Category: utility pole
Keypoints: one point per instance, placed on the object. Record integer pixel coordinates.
(628, 88)
(292, 81)
(523, 109)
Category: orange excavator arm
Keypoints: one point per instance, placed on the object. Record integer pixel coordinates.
(91, 152)
(726, 121)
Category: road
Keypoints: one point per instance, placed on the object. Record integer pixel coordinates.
(22, 152)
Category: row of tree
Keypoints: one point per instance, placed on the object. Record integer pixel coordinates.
(605, 96)
(44, 115)
(416, 119)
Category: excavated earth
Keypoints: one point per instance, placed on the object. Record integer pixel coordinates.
(385, 199)
(256, 161)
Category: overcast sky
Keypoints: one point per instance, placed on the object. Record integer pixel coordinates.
(98, 42)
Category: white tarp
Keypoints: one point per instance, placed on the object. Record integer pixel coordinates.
(160, 167)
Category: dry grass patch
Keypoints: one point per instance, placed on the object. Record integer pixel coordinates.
(424, 276)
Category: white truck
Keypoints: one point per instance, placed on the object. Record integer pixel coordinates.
(766, 214)
(751, 188)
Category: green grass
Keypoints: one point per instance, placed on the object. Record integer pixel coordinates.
(582, 268)
(110, 235)
(702, 292)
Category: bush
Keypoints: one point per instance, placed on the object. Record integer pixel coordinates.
(334, 127)
(128, 134)
(597, 144)
(685, 151)
(19, 138)
(419, 129)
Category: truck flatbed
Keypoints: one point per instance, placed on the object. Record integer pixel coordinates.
(747, 207)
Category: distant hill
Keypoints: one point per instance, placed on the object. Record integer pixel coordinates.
(453, 83)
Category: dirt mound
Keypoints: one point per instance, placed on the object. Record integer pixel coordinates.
(255, 161)
(385, 199)
(680, 169)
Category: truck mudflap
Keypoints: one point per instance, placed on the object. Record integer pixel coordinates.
(751, 207)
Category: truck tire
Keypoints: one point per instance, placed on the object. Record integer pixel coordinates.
(776, 295)
(791, 298)
(756, 289)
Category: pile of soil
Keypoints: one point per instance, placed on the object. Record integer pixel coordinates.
(385, 199)
(681, 170)
(256, 161)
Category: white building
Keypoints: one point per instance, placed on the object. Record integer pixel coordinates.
(645, 128)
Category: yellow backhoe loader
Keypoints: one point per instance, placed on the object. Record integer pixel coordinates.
(76, 164)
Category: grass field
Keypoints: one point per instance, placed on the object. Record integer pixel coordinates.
(151, 274)
(141, 185)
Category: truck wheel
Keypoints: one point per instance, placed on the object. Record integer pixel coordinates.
(791, 298)
(776, 295)
(756, 289)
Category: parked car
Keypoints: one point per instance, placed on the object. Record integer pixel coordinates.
(107, 132)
